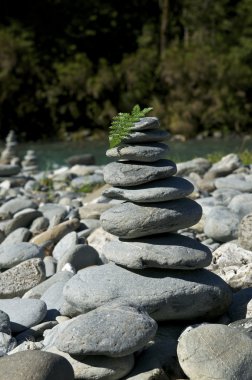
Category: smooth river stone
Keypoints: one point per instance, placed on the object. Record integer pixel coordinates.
(165, 295)
(108, 330)
(145, 136)
(215, 351)
(135, 173)
(130, 220)
(171, 251)
(17, 204)
(13, 254)
(35, 365)
(21, 219)
(156, 191)
(23, 313)
(144, 153)
(146, 123)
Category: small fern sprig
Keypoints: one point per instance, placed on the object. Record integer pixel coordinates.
(122, 123)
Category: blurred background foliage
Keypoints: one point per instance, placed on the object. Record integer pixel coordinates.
(68, 66)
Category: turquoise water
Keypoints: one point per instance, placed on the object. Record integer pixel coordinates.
(56, 152)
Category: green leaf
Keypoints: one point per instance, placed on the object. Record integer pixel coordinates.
(122, 123)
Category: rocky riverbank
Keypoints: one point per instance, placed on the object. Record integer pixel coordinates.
(145, 277)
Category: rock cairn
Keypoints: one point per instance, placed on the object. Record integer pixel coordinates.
(9, 155)
(155, 207)
(29, 163)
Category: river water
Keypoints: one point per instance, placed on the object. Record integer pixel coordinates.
(52, 153)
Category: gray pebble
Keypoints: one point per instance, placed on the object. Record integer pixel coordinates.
(166, 295)
(17, 280)
(119, 331)
(23, 313)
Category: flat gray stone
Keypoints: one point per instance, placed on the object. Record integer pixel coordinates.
(148, 135)
(215, 351)
(35, 365)
(37, 291)
(23, 313)
(80, 256)
(119, 331)
(130, 220)
(221, 224)
(22, 219)
(97, 367)
(146, 123)
(20, 235)
(166, 295)
(13, 254)
(9, 170)
(16, 281)
(163, 251)
(156, 191)
(66, 243)
(4, 323)
(144, 153)
(17, 204)
(134, 173)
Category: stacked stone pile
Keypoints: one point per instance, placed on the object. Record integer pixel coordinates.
(9, 155)
(29, 163)
(165, 267)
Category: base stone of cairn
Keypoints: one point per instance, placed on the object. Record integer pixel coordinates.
(149, 265)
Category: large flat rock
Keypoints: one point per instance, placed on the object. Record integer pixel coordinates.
(130, 220)
(135, 173)
(142, 152)
(157, 191)
(172, 251)
(164, 294)
(119, 331)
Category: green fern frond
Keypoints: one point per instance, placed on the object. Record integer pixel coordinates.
(122, 123)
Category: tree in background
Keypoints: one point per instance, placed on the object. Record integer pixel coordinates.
(72, 65)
